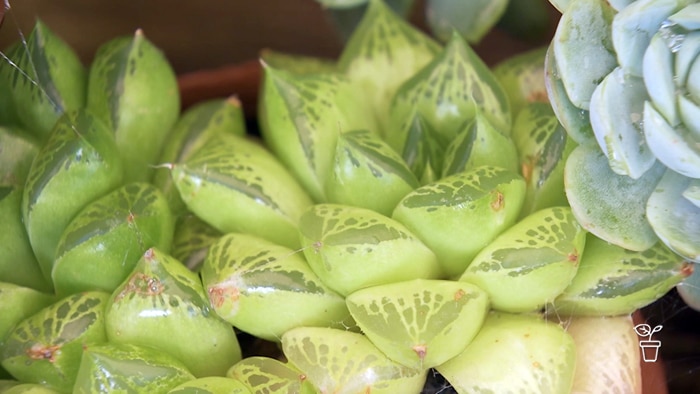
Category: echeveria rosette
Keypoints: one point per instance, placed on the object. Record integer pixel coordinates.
(623, 79)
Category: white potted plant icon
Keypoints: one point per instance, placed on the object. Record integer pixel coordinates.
(650, 348)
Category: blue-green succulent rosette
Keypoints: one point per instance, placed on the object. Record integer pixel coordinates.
(624, 80)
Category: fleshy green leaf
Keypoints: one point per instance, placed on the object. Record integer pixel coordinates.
(416, 322)
(367, 173)
(18, 303)
(674, 218)
(18, 264)
(522, 78)
(686, 56)
(692, 192)
(79, 163)
(211, 385)
(421, 150)
(47, 346)
(538, 355)
(351, 248)
(17, 151)
(575, 120)
(617, 107)
(163, 305)
(45, 79)
(583, 48)
(28, 388)
(611, 206)
(297, 64)
(616, 281)
(128, 368)
(448, 92)
(543, 147)
(193, 129)
(633, 27)
(658, 78)
(458, 215)
(301, 116)
(133, 89)
(344, 362)
(191, 240)
(267, 375)
(236, 185)
(479, 144)
(382, 53)
(266, 289)
(531, 263)
(675, 147)
(103, 242)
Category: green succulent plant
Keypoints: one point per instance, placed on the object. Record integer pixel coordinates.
(624, 80)
(402, 213)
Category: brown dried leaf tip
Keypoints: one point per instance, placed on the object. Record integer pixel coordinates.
(538, 96)
(140, 283)
(39, 351)
(421, 351)
(219, 294)
(687, 269)
(498, 202)
(526, 168)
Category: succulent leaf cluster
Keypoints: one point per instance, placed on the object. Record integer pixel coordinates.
(402, 212)
(622, 78)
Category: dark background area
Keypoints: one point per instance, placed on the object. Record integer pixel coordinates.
(207, 34)
(193, 34)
